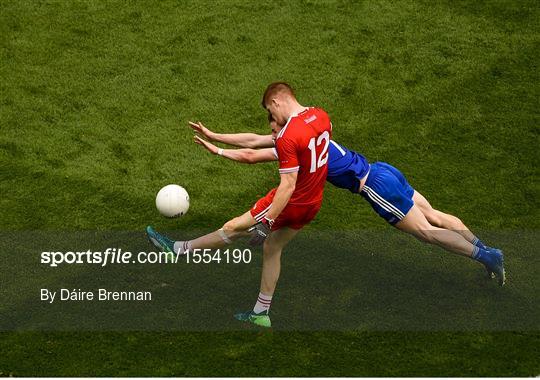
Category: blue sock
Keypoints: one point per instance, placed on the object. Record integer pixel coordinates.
(481, 255)
(476, 242)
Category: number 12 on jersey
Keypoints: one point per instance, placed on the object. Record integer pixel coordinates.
(323, 157)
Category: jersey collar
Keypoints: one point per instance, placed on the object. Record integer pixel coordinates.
(294, 115)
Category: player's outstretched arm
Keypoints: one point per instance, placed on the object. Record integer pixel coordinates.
(245, 155)
(243, 140)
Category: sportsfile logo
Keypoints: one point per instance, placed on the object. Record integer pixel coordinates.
(118, 256)
(109, 256)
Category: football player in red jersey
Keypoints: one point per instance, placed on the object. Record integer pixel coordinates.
(350, 170)
(302, 149)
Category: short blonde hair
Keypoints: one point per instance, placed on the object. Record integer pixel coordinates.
(276, 88)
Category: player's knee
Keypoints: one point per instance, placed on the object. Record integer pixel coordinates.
(459, 225)
(452, 222)
(434, 218)
(231, 227)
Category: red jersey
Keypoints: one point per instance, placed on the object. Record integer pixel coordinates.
(302, 146)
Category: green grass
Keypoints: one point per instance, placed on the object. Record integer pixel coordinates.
(270, 354)
(94, 103)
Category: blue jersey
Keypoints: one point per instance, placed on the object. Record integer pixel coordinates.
(345, 167)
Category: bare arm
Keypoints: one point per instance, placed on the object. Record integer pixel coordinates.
(246, 155)
(283, 194)
(243, 140)
(262, 229)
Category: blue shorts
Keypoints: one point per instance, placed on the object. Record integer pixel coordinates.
(388, 192)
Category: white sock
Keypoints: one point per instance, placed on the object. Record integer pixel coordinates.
(263, 304)
(224, 236)
(182, 247)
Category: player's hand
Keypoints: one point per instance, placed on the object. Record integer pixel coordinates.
(201, 130)
(260, 231)
(207, 145)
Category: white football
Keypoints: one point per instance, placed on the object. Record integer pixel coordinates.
(172, 201)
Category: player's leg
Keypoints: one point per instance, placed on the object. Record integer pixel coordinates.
(443, 220)
(450, 222)
(416, 224)
(272, 248)
(230, 231)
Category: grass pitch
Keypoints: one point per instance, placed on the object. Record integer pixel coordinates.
(94, 103)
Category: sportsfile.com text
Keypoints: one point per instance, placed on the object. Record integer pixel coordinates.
(118, 256)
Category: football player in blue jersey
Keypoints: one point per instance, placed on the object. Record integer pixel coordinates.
(384, 187)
